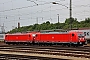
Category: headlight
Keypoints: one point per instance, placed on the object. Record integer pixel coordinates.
(33, 35)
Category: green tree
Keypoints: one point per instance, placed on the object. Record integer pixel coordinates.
(49, 26)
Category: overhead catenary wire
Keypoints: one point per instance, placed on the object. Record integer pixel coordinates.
(28, 15)
(24, 14)
(30, 6)
(21, 8)
(25, 7)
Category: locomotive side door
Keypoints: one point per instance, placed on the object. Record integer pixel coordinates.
(74, 38)
(71, 37)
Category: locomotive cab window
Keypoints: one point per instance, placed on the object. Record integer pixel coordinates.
(72, 34)
(6, 36)
(81, 35)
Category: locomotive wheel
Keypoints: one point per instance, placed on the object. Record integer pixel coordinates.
(69, 45)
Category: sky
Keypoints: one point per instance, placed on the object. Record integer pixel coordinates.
(29, 12)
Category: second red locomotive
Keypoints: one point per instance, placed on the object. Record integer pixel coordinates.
(55, 38)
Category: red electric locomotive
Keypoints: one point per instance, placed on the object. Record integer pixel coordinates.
(19, 38)
(55, 38)
(60, 38)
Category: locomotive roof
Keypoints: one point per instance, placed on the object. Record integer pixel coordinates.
(54, 32)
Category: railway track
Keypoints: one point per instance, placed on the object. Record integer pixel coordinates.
(72, 52)
(21, 57)
(78, 52)
(85, 49)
